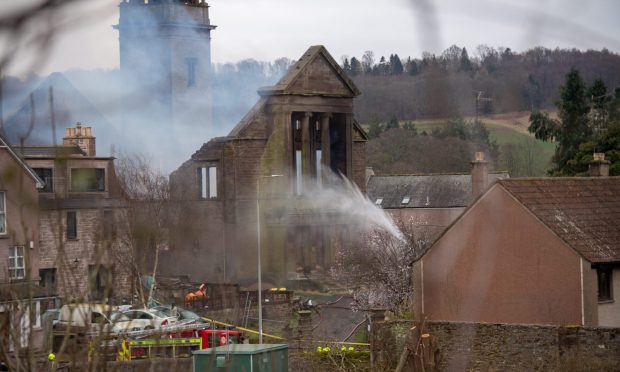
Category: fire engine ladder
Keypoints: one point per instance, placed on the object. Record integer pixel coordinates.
(246, 310)
(165, 329)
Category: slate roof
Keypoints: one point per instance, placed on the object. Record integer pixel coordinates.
(424, 191)
(583, 212)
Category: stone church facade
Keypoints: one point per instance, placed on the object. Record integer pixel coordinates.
(300, 133)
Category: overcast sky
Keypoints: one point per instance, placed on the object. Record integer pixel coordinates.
(269, 29)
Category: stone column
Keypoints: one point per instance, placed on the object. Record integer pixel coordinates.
(306, 148)
(349, 146)
(325, 144)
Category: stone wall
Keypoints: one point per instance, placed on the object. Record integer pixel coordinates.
(516, 347)
(73, 257)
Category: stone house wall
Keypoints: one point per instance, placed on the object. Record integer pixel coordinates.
(72, 258)
(505, 347)
(21, 208)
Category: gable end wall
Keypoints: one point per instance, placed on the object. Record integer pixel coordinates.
(498, 263)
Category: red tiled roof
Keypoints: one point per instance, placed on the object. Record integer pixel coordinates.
(584, 212)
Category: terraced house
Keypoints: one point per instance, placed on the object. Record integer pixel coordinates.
(81, 215)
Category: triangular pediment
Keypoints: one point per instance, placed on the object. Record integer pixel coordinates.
(315, 74)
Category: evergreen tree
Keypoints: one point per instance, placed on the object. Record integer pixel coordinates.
(396, 66)
(464, 62)
(598, 94)
(392, 123)
(356, 67)
(571, 130)
(382, 68)
(412, 67)
(346, 66)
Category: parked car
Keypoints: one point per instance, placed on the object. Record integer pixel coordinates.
(184, 316)
(98, 318)
(149, 318)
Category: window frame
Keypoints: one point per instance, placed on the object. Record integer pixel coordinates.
(207, 182)
(3, 214)
(212, 182)
(609, 296)
(74, 235)
(48, 186)
(12, 265)
(72, 185)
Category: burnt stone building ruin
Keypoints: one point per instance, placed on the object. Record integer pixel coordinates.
(300, 132)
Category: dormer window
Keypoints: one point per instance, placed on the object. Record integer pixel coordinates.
(406, 200)
(87, 179)
(378, 201)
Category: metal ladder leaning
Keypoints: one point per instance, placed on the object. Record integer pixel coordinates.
(246, 310)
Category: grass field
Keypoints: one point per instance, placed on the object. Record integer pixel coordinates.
(508, 129)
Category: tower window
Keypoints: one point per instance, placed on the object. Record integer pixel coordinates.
(191, 71)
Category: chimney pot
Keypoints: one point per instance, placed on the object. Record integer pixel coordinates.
(599, 167)
(479, 175)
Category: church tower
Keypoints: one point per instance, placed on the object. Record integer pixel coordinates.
(165, 59)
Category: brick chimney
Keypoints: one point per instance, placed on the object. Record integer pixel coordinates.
(599, 167)
(479, 175)
(81, 136)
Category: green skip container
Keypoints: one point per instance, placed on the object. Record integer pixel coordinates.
(242, 358)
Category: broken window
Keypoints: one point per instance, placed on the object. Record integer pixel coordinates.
(87, 179)
(2, 213)
(297, 146)
(72, 225)
(298, 173)
(318, 167)
(202, 182)
(207, 182)
(45, 174)
(603, 274)
(191, 71)
(48, 279)
(17, 267)
(212, 182)
(338, 143)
